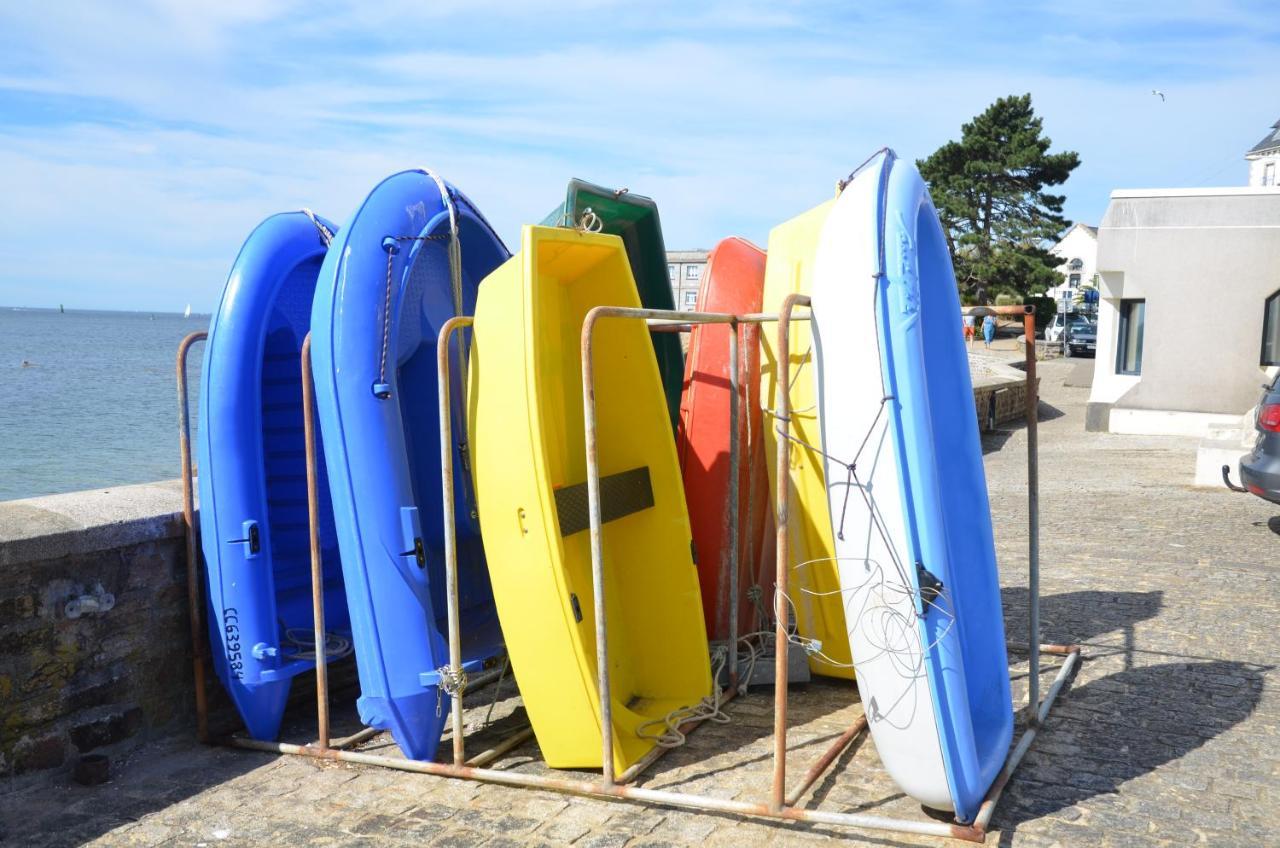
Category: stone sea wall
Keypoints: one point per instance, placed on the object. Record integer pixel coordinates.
(73, 679)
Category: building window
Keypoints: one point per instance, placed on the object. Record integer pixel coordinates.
(1076, 264)
(690, 299)
(693, 273)
(1073, 281)
(671, 273)
(1271, 330)
(1269, 174)
(1133, 319)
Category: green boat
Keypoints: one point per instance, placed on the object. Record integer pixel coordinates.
(634, 218)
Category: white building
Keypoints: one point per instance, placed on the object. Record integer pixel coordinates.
(1264, 159)
(1189, 318)
(684, 270)
(1078, 250)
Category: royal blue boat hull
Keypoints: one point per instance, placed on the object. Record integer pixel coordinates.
(252, 475)
(377, 395)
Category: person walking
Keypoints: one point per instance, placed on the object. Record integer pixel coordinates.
(988, 330)
(969, 327)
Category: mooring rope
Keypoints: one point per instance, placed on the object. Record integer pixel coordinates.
(325, 235)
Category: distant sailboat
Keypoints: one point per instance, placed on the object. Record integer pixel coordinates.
(61, 310)
(187, 314)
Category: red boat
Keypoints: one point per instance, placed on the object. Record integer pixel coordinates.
(732, 282)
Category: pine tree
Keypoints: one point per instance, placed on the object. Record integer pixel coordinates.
(989, 189)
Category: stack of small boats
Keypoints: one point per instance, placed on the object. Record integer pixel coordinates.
(892, 564)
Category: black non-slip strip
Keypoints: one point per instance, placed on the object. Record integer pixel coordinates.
(621, 495)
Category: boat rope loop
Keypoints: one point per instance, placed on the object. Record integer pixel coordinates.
(453, 683)
(325, 235)
(301, 644)
(710, 708)
(391, 244)
(590, 222)
(455, 247)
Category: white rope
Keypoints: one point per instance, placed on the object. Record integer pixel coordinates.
(708, 709)
(455, 247)
(325, 235)
(303, 644)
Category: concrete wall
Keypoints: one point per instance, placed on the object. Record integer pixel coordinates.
(1205, 260)
(101, 681)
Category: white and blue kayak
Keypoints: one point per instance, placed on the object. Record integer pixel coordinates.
(409, 259)
(907, 491)
(253, 477)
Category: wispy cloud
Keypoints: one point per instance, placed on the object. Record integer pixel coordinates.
(141, 142)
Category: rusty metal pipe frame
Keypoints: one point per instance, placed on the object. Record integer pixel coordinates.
(313, 532)
(983, 820)
(607, 786)
(618, 791)
(777, 792)
(603, 683)
(450, 540)
(730, 521)
(188, 520)
(451, 554)
(1033, 514)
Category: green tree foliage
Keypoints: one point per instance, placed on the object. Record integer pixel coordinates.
(989, 189)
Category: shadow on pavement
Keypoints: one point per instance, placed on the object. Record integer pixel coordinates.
(1073, 617)
(993, 440)
(1107, 732)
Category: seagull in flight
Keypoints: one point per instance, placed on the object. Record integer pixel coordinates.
(1156, 91)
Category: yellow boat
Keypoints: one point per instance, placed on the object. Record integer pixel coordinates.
(814, 583)
(529, 466)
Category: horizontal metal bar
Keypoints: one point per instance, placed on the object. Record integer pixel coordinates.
(615, 791)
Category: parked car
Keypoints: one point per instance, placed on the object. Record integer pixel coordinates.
(1081, 333)
(1082, 337)
(1260, 470)
(1053, 330)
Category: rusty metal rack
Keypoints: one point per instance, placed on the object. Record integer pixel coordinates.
(779, 804)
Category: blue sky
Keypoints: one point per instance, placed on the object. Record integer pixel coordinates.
(141, 142)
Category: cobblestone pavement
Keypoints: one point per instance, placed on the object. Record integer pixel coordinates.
(1168, 735)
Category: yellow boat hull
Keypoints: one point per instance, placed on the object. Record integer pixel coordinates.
(813, 578)
(529, 466)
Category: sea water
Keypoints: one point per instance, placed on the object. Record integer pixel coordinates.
(88, 400)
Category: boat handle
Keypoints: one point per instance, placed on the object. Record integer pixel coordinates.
(251, 540)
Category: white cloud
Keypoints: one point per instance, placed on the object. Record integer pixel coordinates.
(172, 129)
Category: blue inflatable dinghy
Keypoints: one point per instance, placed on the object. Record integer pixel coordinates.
(907, 491)
(252, 476)
(386, 288)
